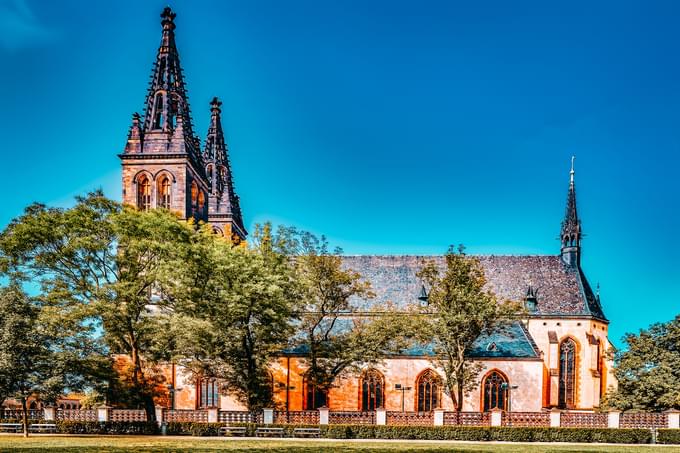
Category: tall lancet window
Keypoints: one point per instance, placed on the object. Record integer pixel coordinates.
(372, 390)
(144, 193)
(158, 112)
(314, 397)
(495, 393)
(164, 193)
(567, 387)
(429, 386)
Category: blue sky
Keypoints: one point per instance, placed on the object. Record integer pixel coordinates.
(392, 127)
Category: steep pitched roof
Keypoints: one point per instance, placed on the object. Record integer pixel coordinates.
(561, 290)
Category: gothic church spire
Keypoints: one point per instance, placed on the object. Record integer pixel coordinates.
(571, 234)
(167, 126)
(224, 207)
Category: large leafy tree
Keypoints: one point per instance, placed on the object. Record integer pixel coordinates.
(100, 263)
(236, 316)
(38, 357)
(648, 369)
(460, 308)
(334, 334)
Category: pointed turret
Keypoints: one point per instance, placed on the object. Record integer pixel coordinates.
(570, 235)
(167, 103)
(224, 211)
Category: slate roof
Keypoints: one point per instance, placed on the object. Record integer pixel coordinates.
(509, 341)
(561, 290)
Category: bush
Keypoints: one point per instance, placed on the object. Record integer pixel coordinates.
(472, 433)
(77, 427)
(668, 436)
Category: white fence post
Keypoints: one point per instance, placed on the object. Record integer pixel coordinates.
(212, 414)
(50, 413)
(614, 419)
(673, 418)
(159, 415)
(268, 416)
(555, 418)
(439, 417)
(323, 415)
(496, 417)
(103, 414)
(380, 416)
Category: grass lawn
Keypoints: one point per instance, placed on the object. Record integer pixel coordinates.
(117, 444)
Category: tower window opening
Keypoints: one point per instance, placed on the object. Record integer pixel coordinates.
(164, 193)
(144, 193)
(158, 112)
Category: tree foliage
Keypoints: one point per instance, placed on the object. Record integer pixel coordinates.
(38, 358)
(334, 333)
(460, 309)
(99, 263)
(236, 317)
(648, 369)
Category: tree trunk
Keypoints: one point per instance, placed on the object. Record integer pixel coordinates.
(138, 382)
(459, 406)
(149, 407)
(24, 415)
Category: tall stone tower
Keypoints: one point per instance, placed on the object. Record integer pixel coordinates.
(163, 166)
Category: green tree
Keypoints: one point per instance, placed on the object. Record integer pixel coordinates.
(100, 263)
(236, 317)
(335, 335)
(460, 308)
(648, 370)
(36, 359)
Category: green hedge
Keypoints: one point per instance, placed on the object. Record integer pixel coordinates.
(465, 433)
(470, 433)
(76, 427)
(668, 436)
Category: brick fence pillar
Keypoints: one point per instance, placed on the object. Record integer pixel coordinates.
(614, 419)
(555, 418)
(323, 415)
(268, 416)
(496, 417)
(380, 416)
(673, 418)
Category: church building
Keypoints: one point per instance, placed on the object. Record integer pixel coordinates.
(555, 358)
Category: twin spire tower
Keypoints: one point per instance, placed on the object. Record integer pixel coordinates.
(163, 164)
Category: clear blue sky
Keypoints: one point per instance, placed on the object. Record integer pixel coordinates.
(392, 127)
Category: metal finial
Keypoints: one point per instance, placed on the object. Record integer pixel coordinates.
(571, 173)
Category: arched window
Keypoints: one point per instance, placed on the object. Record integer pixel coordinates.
(567, 387)
(429, 386)
(201, 201)
(194, 195)
(372, 384)
(314, 396)
(495, 392)
(158, 112)
(144, 193)
(164, 192)
(208, 393)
